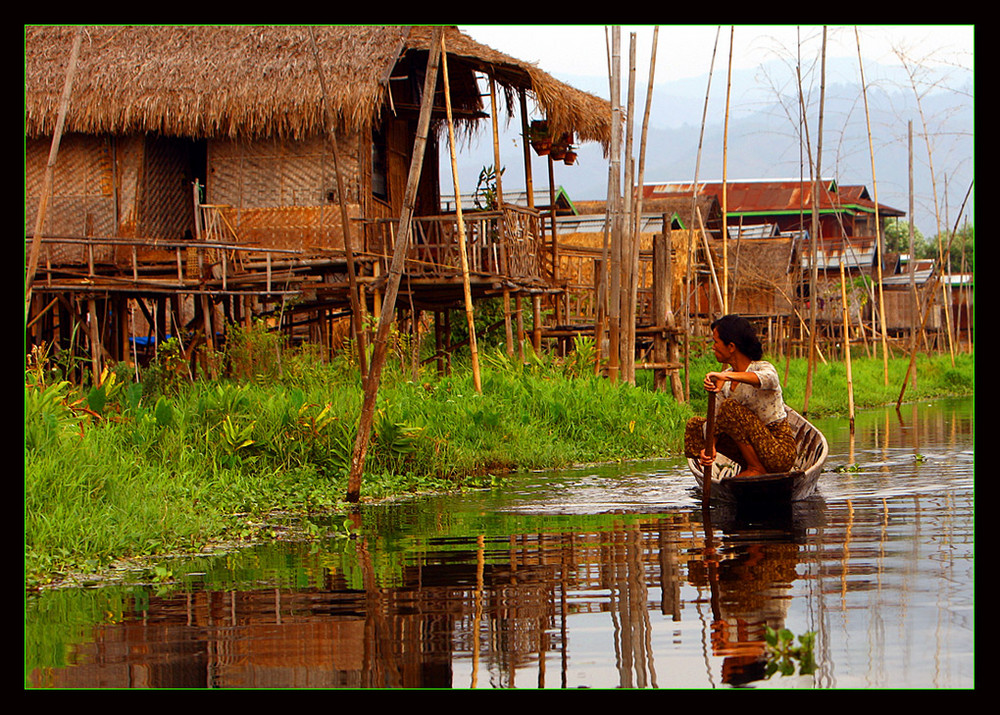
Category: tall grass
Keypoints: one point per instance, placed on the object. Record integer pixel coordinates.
(126, 469)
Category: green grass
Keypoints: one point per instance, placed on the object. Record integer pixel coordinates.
(136, 469)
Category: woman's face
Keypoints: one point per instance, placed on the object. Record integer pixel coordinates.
(723, 352)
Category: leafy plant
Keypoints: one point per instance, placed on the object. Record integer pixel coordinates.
(236, 438)
(783, 653)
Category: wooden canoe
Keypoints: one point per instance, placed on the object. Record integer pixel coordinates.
(783, 487)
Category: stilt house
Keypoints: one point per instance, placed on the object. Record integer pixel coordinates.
(200, 173)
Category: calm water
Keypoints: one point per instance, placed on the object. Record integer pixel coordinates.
(600, 577)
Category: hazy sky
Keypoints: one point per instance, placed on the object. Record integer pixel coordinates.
(686, 50)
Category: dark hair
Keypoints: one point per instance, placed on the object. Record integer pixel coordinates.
(738, 330)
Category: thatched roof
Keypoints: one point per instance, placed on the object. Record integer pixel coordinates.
(255, 81)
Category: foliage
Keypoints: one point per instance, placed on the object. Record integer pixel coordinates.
(961, 258)
(252, 352)
(485, 195)
(783, 653)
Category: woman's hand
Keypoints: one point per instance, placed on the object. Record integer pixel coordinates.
(713, 381)
(706, 460)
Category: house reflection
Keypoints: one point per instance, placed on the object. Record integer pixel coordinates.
(488, 612)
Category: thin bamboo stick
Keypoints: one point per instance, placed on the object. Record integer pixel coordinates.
(725, 180)
(50, 167)
(690, 242)
(847, 345)
(345, 222)
(878, 222)
(463, 256)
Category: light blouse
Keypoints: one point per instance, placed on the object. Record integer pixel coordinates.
(766, 401)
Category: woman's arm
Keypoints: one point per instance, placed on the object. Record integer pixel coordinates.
(714, 380)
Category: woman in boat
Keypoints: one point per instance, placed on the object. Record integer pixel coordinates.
(751, 425)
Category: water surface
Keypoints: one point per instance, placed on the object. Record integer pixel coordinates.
(596, 577)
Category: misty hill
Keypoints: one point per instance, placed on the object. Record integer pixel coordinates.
(764, 138)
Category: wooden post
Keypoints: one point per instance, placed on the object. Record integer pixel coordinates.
(508, 327)
(661, 297)
(463, 255)
(95, 339)
(439, 341)
(536, 328)
(529, 185)
(395, 273)
(519, 320)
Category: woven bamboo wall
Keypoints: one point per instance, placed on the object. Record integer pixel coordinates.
(82, 202)
(284, 194)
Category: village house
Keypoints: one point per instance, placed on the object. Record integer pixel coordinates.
(768, 251)
(203, 175)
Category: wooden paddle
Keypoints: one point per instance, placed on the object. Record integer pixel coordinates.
(706, 486)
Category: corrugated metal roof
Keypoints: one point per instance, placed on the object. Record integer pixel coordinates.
(519, 198)
(857, 253)
(594, 223)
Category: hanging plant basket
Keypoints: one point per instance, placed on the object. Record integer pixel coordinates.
(560, 147)
(538, 135)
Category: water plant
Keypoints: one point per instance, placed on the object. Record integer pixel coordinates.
(783, 653)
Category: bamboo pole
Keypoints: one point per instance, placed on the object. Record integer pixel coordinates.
(878, 222)
(345, 222)
(463, 256)
(709, 260)
(43, 200)
(914, 302)
(847, 345)
(815, 171)
(498, 173)
(614, 203)
(637, 221)
(627, 344)
(601, 331)
(395, 273)
(725, 180)
(690, 242)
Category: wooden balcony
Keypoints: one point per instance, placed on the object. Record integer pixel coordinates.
(500, 245)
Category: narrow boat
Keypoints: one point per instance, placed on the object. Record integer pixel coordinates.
(779, 488)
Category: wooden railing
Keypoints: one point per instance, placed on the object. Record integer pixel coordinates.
(579, 269)
(503, 243)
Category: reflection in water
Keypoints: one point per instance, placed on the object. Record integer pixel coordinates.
(552, 586)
